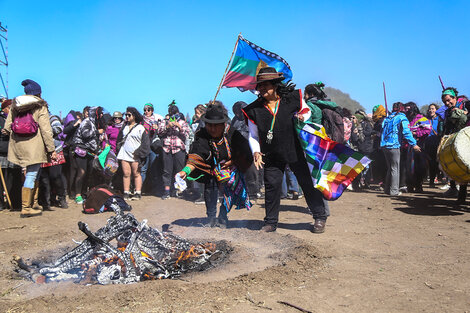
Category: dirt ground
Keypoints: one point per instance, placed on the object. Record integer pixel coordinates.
(378, 254)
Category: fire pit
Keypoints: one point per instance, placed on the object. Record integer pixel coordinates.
(125, 251)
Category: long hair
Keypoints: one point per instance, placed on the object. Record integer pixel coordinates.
(413, 111)
(138, 117)
(316, 90)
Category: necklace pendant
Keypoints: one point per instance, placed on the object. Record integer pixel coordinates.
(269, 136)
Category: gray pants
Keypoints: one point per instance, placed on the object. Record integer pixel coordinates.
(392, 180)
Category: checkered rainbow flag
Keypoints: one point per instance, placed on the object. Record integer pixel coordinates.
(333, 166)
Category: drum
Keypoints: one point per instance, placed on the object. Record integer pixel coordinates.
(454, 155)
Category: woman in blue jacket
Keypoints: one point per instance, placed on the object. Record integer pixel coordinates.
(395, 128)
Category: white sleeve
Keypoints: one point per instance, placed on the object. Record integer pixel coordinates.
(253, 138)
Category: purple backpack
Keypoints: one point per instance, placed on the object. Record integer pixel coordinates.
(24, 125)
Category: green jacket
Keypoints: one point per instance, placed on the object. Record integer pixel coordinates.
(316, 106)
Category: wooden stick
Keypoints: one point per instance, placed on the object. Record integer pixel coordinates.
(294, 306)
(5, 188)
(442, 84)
(385, 97)
(226, 69)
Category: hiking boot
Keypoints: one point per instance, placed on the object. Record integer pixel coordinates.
(27, 210)
(268, 228)
(319, 226)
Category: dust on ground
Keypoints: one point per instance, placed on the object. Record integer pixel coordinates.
(378, 254)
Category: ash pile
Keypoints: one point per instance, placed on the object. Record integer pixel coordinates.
(125, 251)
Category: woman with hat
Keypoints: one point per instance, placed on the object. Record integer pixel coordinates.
(113, 129)
(274, 143)
(150, 122)
(133, 147)
(217, 154)
(31, 145)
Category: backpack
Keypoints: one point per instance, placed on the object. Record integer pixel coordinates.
(332, 120)
(106, 163)
(24, 124)
(100, 198)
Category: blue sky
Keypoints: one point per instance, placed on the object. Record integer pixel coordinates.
(126, 53)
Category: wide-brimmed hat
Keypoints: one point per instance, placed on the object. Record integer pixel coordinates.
(266, 74)
(117, 114)
(215, 114)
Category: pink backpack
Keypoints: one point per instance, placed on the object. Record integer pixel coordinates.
(24, 125)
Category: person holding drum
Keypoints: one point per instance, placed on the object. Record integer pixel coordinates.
(455, 120)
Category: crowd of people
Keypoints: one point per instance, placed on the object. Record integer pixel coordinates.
(49, 161)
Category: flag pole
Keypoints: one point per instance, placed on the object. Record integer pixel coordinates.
(442, 84)
(226, 69)
(385, 98)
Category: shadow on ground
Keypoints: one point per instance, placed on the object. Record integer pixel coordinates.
(428, 203)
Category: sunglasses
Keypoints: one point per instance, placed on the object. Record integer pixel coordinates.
(128, 114)
(148, 110)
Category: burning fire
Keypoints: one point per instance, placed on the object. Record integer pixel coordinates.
(141, 253)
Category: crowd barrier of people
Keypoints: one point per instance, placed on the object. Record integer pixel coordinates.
(49, 161)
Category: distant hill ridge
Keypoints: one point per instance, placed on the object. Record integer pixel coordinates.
(343, 99)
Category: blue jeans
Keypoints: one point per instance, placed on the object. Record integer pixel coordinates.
(147, 165)
(31, 175)
(211, 193)
(289, 183)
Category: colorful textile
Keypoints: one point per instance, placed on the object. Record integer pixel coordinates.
(333, 166)
(235, 193)
(420, 126)
(247, 61)
(60, 160)
(173, 138)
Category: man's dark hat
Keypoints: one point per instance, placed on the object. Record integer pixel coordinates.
(215, 114)
(266, 74)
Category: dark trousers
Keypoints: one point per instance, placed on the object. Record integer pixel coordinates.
(273, 175)
(50, 179)
(252, 182)
(172, 164)
(14, 181)
(82, 167)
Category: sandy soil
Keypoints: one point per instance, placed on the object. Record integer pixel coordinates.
(379, 254)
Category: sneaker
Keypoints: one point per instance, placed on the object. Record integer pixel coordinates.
(445, 187)
(403, 189)
(451, 193)
(127, 196)
(136, 196)
(200, 201)
(78, 200)
(166, 196)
